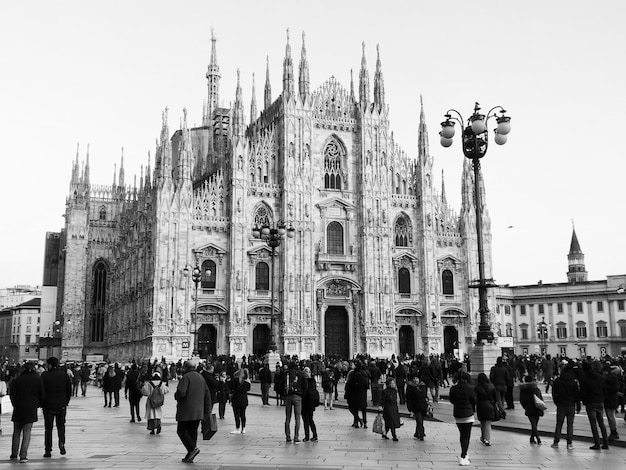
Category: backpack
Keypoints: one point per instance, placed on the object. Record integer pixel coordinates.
(156, 397)
(292, 386)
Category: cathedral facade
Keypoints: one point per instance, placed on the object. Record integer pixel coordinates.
(378, 262)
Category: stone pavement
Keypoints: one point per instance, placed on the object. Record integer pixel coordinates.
(103, 438)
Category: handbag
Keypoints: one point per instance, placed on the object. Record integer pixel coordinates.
(497, 413)
(430, 411)
(539, 403)
(209, 427)
(378, 424)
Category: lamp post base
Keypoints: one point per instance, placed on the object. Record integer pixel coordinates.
(483, 357)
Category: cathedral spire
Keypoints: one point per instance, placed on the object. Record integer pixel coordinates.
(86, 174)
(288, 79)
(74, 179)
(163, 159)
(114, 174)
(379, 86)
(213, 79)
(444, 201)
(576, 261)
(422, 136)
(267, 99)
(238, 123)
(351, 86)
(253, 110)
(183, 174)
(121, 178)
(148, 171)
(364, 81)
(303, 78)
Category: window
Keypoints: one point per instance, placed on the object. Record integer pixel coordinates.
(600, 306)
(261, 217)
(522, 309)
(404, 281)
(579, 307)
(561, 331)
(601, 330)
(622, 329)
(28, 329)
(509, 329)
(99, 302)
(102, 214)
(581, 330)
(524, 331)
(507, 310)
(540, 308)
(447, 282)
(559, 308)
(620, 305)
(401, 230)
(207, 280)
(334, 238)
(262, 276)
(332, 165)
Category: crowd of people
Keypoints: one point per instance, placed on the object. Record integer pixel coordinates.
(301, 386)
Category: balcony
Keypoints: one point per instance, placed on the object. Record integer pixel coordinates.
(332, 262)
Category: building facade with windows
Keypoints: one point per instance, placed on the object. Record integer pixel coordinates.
(577, 318)
(379, 262)
(19, 331)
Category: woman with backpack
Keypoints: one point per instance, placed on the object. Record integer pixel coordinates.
(239, 399)
(155, 389)
(310, 401)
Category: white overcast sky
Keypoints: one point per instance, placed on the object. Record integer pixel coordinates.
(100, 73)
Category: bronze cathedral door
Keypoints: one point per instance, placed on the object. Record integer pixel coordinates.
(337, 341)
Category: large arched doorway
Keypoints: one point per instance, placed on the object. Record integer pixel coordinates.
(260, 339)
(207, 341)
(406, 340)
(450, 339)
(337, 337)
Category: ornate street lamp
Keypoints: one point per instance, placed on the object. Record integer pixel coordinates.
(542, 333)
(474, 140)
(196, 276)
(273, 236)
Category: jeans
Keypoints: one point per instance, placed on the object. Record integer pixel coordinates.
(293, 402)
(610, 417)
(563, 412)
(83, 388)
(265, 393)
(309, 424)
(49, 418)
(501, 394)
(22, 430)
(188, 433)
(595, 413)
(485, 430)
(222, 409)
(134, 406)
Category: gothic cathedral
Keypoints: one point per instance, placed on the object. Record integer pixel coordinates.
(377, 262)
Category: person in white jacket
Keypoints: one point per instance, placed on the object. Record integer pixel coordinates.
(154, 413)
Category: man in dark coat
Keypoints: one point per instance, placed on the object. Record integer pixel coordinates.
(295, 388)
(500, 377)
(132, 391)
(208, 373)
(265, 377)
(194, 403)
(58, 388)
(567, 400)
(27, 394)
(592, 396)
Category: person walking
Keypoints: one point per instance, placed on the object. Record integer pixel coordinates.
(610, 376)
(75, 379)
(295, 389)
(592, 396)
(500, 377)
(208, 373)
(117, 383)
(565, 394)
(486, 403)
(463, 399)
(27, 394)
(3, 392)
(417, 403)
(279, 383)
(108, 386)
(527, 393)
(328, 385)
(265, 377)
(223, 393)
(58, 391)
(132, 392)
(85, 375)
(356, 395)
(239, 400)
(155, 389)
(389, 408)
(310, 401)
(193, 404)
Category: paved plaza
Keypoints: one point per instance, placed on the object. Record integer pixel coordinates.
(103, 438)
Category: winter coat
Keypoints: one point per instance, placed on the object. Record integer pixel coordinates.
(565, 390)
(239, 398)
(328, 383)
(416, 398)
(499, 376)
(58, 388)
(311, 399)
(27, 394)
(527, 393)
(109, 383)
(591, 388)
(265, 375)
(463, 398)
(211, 382)
(131, 384)
(146, 390)
(389, 402)
(356, 391)
(611, 387)
(486, 399)
(193, 397)
(223, 391)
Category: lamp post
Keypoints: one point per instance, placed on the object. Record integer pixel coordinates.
(273, 236)
(542, 332)
(475, 140)
(196, 276)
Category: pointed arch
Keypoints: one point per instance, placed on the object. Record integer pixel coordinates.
(402, 230)
(262, 215)
(334, 152)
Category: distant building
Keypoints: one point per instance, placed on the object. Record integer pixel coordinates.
(11, 296)
(19, 331)
(577, 318)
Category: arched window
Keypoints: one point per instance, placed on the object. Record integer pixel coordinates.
(102, 215)
(207, 280)
(334, 238)
(332, 165)
(99, 303)
(262, 277)
(404, 281)
(447, 282)
(401, 230)
(262, 217)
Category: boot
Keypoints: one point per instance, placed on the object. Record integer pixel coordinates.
(613, 436)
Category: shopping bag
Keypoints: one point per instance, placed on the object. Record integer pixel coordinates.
(378, 424)
(209, 427)
(539, 403)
